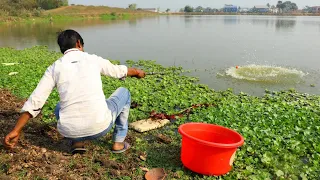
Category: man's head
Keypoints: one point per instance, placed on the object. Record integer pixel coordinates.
(69, 39)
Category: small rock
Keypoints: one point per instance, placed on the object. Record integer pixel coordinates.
(43, 150)
(18, 167)
(156, 173)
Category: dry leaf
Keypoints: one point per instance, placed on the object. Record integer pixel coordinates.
(143, 158)
(144, 169)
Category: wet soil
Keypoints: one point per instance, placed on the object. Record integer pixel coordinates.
(43, 153)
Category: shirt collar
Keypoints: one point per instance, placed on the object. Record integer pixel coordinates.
(70, 50)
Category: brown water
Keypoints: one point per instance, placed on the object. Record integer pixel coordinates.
(208, 45)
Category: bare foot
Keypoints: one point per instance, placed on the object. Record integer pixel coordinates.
(118, 146)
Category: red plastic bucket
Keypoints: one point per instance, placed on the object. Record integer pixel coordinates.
(208, 149)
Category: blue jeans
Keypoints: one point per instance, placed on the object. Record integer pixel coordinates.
(119, 105)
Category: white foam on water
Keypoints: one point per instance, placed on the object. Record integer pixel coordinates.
(266, 73)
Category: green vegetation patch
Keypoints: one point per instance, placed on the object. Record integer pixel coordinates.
(281, 129)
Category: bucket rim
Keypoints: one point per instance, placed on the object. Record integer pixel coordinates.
(233, 145)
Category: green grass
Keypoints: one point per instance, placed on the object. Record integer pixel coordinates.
(71, 13)
(281, 129)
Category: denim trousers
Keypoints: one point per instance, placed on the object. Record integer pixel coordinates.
(119, 105)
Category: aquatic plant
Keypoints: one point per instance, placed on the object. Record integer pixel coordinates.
(281, 129)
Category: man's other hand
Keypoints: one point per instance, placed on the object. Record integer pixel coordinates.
(11, 140)
(140, 73)
(134, 72)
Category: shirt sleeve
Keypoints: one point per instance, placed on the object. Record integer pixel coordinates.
(109, 69)
(40, 94)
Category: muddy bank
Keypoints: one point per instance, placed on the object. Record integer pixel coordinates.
(43, 153)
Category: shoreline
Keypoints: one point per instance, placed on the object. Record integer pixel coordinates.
(249, 14)
(126, 16)
(62, 18)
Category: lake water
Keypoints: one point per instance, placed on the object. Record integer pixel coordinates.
(275, 53)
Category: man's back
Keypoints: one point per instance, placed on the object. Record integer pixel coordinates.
(83, 108)
(77, 76)
(83, 113)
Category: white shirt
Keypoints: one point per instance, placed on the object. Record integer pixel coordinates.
(77, 77)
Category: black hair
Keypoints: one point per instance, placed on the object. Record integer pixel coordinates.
(67, 39)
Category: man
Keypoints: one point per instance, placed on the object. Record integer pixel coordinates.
(82, 113)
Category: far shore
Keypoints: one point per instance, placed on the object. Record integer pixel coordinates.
(248, 14)
(77, 12)
(80, 12)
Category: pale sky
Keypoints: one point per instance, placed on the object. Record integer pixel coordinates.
(177, 4)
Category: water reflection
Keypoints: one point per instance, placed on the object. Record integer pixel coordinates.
(22, 35)
(133, 22)
(277, 22)
(231, 20)
(189, 19)
(262, 21)
(285, 24)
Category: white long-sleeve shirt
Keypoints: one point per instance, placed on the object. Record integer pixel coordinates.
(77, 77)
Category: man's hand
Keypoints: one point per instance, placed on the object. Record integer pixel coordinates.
(138, 73)
(11, 139)
(141, 73)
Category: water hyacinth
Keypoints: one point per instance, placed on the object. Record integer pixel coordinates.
(281, 129)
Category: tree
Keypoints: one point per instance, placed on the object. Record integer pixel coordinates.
(199, 9)
(65, 2)
(181, 10)
(132, 6)
(289, 6)
(307, 9)
(188, 9)
(29, 7)
(268, 5)
(168, 10)
(208, 9)
(51, 4)
(280, 6)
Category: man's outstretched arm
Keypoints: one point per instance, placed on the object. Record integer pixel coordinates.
(116, 71)
(12, 138)
(32, 107)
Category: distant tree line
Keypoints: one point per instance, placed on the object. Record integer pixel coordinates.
(189, 9)
(51, 4)
(132, 6)
(283, 7)
(18, 7)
